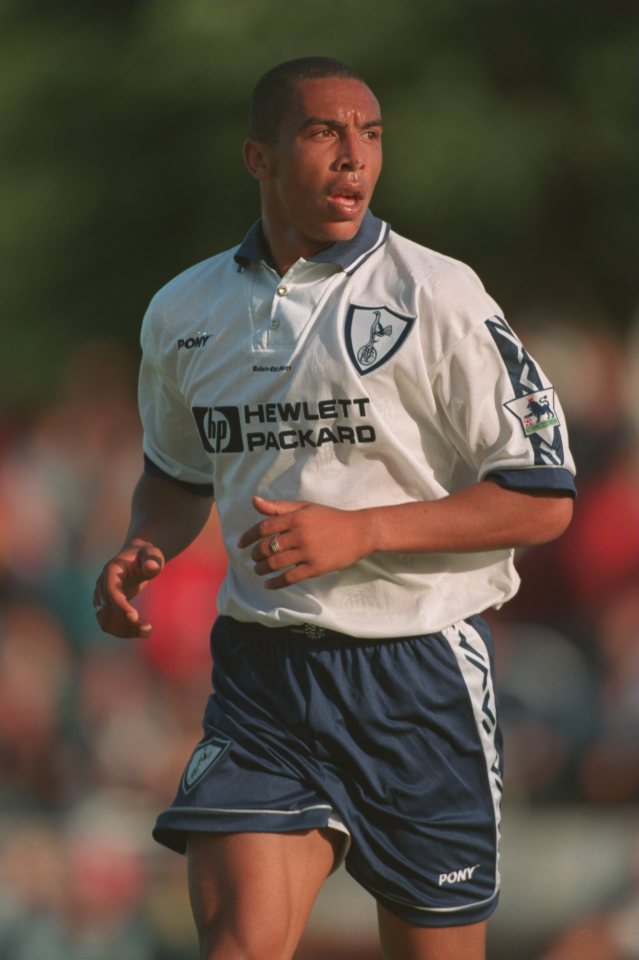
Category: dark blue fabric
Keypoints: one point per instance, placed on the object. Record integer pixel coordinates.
(552, 479)
(343, 254)
(383, 733)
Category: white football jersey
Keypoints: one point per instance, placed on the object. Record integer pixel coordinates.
(376, 372)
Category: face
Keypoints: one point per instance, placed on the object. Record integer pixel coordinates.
(318, 177)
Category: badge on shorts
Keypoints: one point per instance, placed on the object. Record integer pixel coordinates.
(374, 334)
(206, 754)
(535, 411)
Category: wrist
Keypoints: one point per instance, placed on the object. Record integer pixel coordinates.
(373, 530)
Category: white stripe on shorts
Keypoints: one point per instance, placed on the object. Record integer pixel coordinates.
(474, 664)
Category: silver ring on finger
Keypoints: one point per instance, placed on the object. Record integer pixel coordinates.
(274, 545)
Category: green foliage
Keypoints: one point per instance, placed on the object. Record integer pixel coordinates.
(511, 144)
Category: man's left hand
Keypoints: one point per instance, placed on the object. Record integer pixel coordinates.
(304, 540)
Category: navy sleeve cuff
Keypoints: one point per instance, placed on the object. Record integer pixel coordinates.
(551, 479)
(199, 489)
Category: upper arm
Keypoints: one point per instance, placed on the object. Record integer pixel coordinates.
(167, 514)
(546, 513)
(503, 414)
(172, 443)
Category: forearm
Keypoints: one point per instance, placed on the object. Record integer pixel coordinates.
(166, 515)
(481, 517)
(296, 540)
(165, 519)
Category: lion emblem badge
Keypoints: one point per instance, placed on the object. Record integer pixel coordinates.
(535, 411)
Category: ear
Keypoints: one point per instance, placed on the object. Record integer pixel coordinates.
(257, 159)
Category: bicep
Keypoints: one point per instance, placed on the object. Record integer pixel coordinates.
(484, 391)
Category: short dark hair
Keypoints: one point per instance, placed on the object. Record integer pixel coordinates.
(273, 91)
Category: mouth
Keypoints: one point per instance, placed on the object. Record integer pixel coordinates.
(346, 199)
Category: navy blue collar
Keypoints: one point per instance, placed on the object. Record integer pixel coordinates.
(347, 254)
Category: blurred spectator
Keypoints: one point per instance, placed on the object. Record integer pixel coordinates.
(73, 896)
(66, 481)
(610, 935)
(548, 701)
(36, 676)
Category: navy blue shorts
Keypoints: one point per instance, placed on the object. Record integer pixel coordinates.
(395, 743)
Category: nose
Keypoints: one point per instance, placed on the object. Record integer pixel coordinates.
(351, 156)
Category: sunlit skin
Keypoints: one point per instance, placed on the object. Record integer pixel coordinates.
(318, 177)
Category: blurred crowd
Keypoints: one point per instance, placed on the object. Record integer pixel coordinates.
(94, 731)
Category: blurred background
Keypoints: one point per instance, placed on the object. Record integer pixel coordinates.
(511, 144)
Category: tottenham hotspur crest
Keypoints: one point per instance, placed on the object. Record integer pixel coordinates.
(205, 755)
(373, 335)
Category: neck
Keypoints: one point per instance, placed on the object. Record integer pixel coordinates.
(286, 246)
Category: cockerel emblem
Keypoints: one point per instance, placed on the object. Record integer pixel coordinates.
(374, 334)
(368, 354)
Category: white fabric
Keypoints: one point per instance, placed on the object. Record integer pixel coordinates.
(277, 394)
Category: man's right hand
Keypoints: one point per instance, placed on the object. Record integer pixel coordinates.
(122, 579)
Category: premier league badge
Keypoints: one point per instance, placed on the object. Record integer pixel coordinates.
(373, 334)
(535, 411)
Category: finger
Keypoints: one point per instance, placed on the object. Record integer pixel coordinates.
(301, 571)
(123, 578)
(279, 561)
(150, 563)
(265, 530)
(121, 627)
(277, 508)
(112, 600)
(115, 600)
(113, 609)
(269, 546)
(121, 623)
(140, 628)
(250, 536)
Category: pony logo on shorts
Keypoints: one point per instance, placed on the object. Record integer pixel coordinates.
(457, 876)
(205, 755)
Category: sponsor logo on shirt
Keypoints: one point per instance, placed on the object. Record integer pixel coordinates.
(295, 424)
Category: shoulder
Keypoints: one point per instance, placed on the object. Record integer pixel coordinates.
(195, 281)
(184, 300)
(435, 274)
(448, 295)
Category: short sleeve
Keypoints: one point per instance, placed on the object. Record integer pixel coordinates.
(171, 440)
(503, 413)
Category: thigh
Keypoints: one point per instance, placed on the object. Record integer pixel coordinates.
(417, 774)
(401, 940)
(251, 893)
